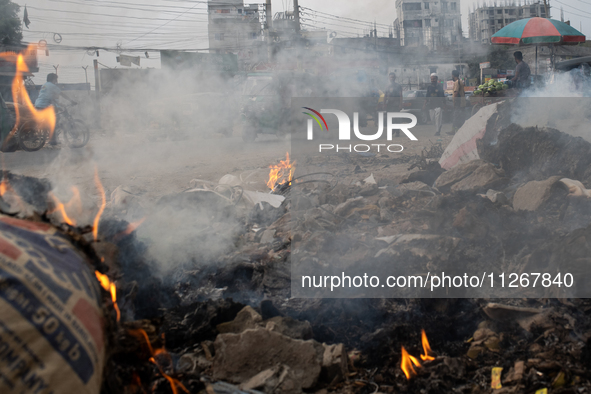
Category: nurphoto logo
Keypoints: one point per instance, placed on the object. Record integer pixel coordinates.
(344, 132)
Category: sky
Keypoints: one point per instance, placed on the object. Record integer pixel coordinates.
(182, 24)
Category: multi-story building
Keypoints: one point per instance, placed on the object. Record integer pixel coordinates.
(233, 26)
(434, 24)
(487, 19)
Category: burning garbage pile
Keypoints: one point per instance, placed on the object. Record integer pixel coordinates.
(228, 319)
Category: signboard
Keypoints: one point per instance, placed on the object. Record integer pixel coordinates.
(222, 63)
(510, 72)
(8, 60)
(485, 65)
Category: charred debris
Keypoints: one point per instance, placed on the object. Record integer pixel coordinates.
(225, 322)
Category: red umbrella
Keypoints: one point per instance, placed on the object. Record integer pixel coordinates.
(537, 31)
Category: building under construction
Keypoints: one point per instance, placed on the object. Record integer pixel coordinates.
(434, 24)
(489, 18)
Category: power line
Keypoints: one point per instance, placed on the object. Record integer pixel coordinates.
(349, 34)
(366, 25)
(122, 5)
(162, 25)
(349, 27)
(344, 18)
(585, 12)
(577, 15)
(95, 24)
(333, 29)
(99, 14)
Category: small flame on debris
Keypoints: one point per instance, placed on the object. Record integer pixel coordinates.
(44, 118)
(155, 353)
(426, 348)
(9, 194)
(4, 186)
(59, 207)
(97, 218)
(131, 227)
(281, 173)
(110, 287)
(62, 208)
(407, 364)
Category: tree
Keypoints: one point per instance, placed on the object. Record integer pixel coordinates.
(501, 57)
(10, 23)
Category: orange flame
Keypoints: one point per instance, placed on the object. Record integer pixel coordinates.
(61, 208)
(131, 227)
(97, 218)
(4, 186)
(426, 348)
(407, 364)
(110, 287)
(173, 382)
(279, 172)
(43, 118)
(8, 193)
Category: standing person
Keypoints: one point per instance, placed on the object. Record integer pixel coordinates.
(393, 97)
(48, 96)
(522, 72)
(459, 98)
(434, 102)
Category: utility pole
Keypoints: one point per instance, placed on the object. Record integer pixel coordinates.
(97, 88)
(296, 14)
(546, 8)
(268, 27)
(375, 36)
(298, 38)
(86, 77)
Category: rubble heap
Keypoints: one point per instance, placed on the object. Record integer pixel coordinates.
(227, 323)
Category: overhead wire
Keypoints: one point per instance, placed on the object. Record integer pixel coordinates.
(344, 18)
(100, 14)
(355, 24)
(584, 12)
(331, 29)
(161, 25)
(346, 27)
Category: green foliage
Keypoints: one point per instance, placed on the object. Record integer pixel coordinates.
(10, 23)
(501, 57)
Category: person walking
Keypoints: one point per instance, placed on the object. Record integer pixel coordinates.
(393, 97)
(434, 103)
(459, 99)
